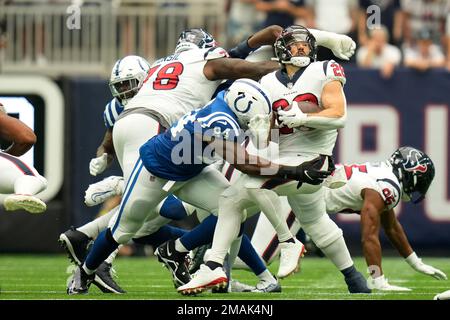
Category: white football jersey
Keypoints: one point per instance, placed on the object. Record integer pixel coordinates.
(306, 85)
(176, 84)
(377, 176)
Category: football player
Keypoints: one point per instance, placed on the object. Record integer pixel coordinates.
(196, 136)
(170, 84)
(18, 179)
(373, 190)
(303, 137)
(127, 77)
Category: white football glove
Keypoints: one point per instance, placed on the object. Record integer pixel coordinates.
(381, 283)
(343, 46)
(292, 118)
(259, 126)
(416, 263)
(98, 165)
(99, 192)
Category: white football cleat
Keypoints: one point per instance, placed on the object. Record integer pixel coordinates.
(99, 192)
(290, 255)
(267, 287)
(382, 284)
(204, 279)
(24, 202)
(442, 296)
(237, 286)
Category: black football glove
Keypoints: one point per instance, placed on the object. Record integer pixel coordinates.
(307, 172)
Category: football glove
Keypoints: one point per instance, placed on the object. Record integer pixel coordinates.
(98, 165)
(416, 263)
(292, 118)
(307, 172)
(101, 191)
(343, 46)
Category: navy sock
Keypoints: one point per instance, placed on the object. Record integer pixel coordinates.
(201, 234)
(347, 272)
(173, 209)
(250, 257)
(163, 234)
(103, 246)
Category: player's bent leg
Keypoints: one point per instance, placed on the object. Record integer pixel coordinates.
(310, 211)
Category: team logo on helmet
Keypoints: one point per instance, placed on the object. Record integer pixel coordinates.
(415, 162)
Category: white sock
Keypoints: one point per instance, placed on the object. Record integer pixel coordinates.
(266, 276)
(270, 203)
(228, 222)
(112, 256)
(338, 253)
(93, 228)
(179, 246)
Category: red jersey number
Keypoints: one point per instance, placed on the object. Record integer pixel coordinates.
(167, 77)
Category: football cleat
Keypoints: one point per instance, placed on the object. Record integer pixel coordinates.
(75, 243)
(237, 286)
(80, 282)
(267, 287)
(104, 279)
(204, 279)
(28, 203)
(99, 192)
(174, 261)
(442, 296)
(356, 283)
(290, 255)
(196, 258)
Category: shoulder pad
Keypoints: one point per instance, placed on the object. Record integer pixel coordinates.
(390, 192)
(333, 71)
(215, 53)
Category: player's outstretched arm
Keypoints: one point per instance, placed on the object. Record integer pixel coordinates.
(394, 231)
(266, 36)
(342, 46)
(105, 155)
(22, 138)
(370, 227)
(234, 153)
(231, 68)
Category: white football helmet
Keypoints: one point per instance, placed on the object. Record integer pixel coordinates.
(247, 99)
(127, 77)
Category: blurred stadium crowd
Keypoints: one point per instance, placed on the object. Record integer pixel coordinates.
(75, 36)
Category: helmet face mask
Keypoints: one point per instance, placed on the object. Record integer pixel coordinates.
(127, 77)
(195, 38)
(415, 171)
(289, 37)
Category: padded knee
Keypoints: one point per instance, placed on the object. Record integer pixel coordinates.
(323, 231)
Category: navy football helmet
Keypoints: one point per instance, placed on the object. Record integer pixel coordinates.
(415, 171)
(195, 38)
(289, 36)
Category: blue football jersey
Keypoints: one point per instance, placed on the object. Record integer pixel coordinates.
(112, 111)
(177, 155)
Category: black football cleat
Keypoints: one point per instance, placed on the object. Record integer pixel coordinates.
(80, 282)
(104, 279)
(76, 245)
(174, 261)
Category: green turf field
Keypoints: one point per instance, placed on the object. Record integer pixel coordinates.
(44, 277)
